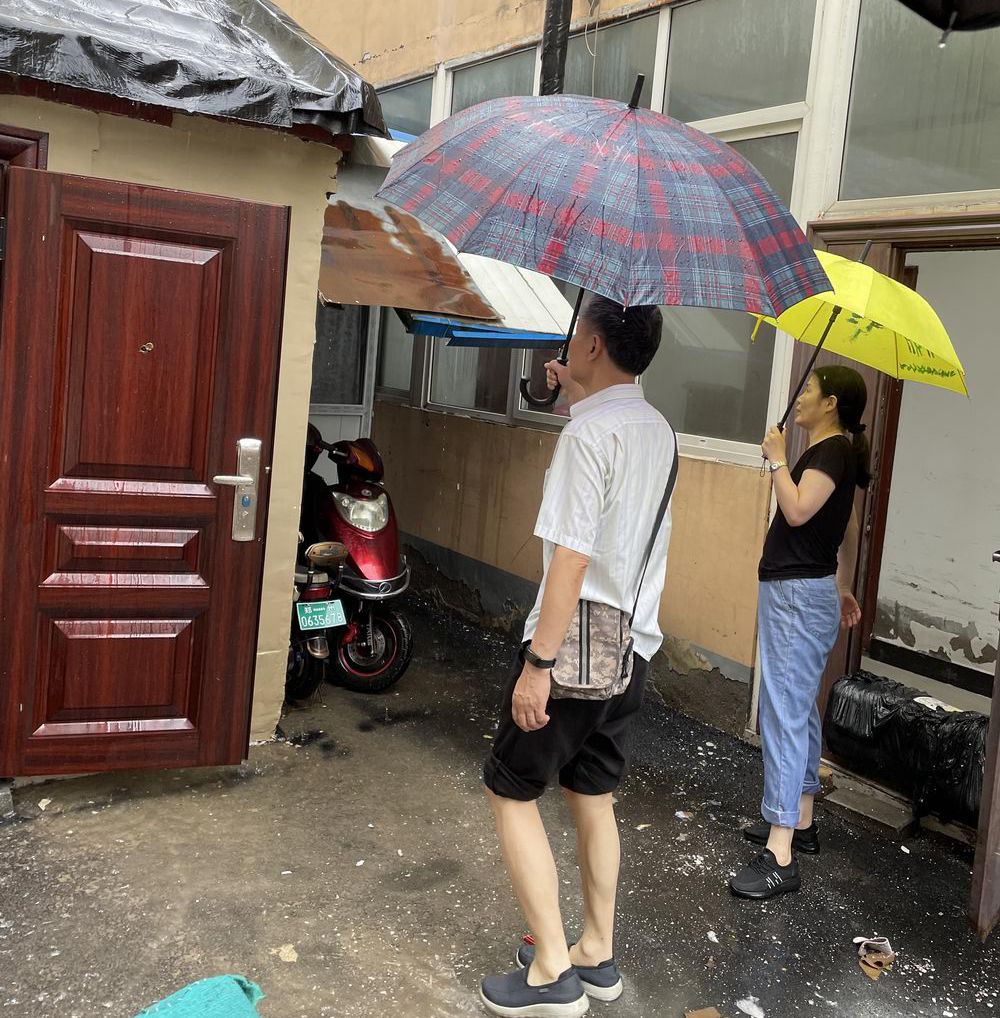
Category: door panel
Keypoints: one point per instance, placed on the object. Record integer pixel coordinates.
(142, 345)
(984, 902)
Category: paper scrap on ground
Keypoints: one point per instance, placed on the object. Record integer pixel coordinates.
(751, 1006)
(713, 936)
(875, 956)
(44, 804)
(705, 1012)
(286, 953)
(643, 827)
(681, 815)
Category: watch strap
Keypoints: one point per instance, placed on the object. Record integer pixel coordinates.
(527, 654)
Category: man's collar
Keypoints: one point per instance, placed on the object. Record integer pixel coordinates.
(612, 393)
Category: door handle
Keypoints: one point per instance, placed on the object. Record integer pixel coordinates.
(245, 482)
(996, 556)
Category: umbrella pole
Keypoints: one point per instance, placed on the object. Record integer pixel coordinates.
(563, 358)
(834, 315)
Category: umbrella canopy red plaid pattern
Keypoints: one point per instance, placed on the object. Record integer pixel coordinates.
(623, 202)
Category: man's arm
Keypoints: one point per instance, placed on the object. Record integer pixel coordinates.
(563, 584)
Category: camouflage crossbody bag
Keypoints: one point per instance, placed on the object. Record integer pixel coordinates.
(595, 661)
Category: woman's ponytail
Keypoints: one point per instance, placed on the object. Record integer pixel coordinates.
(852, 397)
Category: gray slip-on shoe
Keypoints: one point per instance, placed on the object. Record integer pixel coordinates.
(602, 982)
(510, 996)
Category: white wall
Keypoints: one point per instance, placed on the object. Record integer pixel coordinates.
(939, 588)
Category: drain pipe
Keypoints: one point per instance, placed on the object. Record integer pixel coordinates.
(555, 41)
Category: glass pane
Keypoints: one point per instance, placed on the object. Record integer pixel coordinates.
(923, 120)
(476, 378)
(510, 75)
(730, 56)
(339, 354)
(707, 377)
(395, 354)
(622, 51)
(408, 107)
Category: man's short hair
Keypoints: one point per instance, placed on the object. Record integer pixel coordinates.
(632, 335)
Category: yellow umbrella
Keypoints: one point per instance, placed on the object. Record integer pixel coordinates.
(873, 320)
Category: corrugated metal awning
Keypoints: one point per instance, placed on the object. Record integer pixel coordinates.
(376, 254)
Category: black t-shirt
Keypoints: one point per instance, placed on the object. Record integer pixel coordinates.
(810, 551)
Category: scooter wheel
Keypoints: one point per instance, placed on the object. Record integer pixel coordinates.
(304, 674)
(374, 669)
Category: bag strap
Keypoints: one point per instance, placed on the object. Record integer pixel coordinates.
(660, 513)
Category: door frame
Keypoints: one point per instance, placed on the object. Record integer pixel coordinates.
(897, 236)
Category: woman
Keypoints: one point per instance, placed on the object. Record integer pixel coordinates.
(806, 574)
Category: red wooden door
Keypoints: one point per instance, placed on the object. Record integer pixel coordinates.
(139, 344)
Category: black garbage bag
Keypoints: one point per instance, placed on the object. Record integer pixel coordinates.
(953, 784)
(878, 729)
(933, 756)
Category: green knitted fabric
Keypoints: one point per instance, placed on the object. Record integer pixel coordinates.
(221, 997)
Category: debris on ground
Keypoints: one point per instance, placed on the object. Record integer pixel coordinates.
(751, 1006)
(875, 956)
(44, 804)
(286, 953)
(681, 815)
(704, 1012)
(713, 936)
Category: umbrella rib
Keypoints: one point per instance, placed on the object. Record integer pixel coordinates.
(638, 180)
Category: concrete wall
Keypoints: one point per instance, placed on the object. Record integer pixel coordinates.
(197, 154)
(371, 37)
(473, 487)
(938, 589)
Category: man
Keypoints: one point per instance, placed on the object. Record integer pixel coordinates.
(602, 494)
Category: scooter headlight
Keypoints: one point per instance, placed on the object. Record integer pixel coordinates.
(369, 515)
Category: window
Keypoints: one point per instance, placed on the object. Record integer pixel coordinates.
(731, 56)
(923, 120)
(395, 354)
(707, 378)
(339, 355)
(470, 378)
(407, 108)
(513, 74)
(623, 51)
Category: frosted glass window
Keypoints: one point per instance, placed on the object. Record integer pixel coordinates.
(731, 56)
(339, 354)
(623, 51)
(707, 378)
(513, 74)
(395, 354)
(923, 120)
(473, 378)
(407, 107)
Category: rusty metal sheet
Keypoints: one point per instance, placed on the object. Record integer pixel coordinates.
(376, 254)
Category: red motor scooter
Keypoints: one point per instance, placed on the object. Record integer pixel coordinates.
(373, 646)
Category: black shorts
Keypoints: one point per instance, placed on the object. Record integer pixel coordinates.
(587, 743)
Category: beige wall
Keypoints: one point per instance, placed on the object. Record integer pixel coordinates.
(197, 154)
(474, 487)
(391, 40)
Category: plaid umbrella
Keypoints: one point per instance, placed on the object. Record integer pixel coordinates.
(617, 200)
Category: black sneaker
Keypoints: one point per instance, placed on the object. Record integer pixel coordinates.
(764, 878)
(602, 982)
(511, 997)
(802, 841)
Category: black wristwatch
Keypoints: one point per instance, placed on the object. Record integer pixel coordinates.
(527, 654)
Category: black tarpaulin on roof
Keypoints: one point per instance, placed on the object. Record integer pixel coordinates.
(240, 59)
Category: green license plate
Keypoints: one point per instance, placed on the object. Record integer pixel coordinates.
(320, 615)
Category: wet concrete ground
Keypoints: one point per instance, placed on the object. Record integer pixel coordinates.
(356, 874)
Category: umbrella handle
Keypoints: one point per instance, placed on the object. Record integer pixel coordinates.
(541, 402)
(537, 402)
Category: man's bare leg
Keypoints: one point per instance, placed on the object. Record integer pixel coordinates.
(598, 851)
(528, 856)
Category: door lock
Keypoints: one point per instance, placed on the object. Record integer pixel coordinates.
(245, 482)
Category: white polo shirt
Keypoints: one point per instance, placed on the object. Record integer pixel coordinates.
(602, 491)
